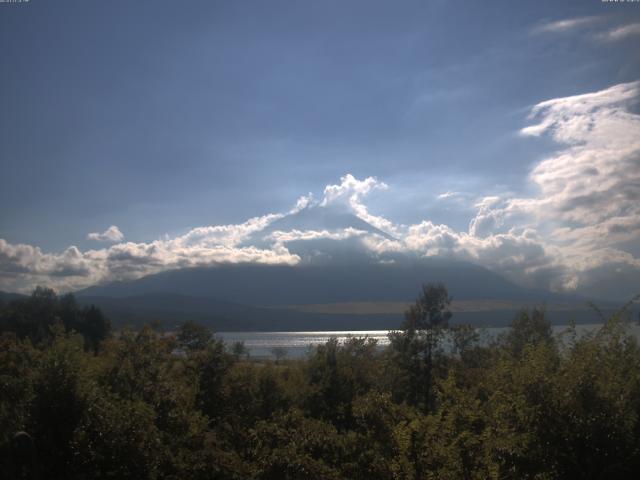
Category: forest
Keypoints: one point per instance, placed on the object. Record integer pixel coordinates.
(79, 400)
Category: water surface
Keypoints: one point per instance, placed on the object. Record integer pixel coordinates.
(298, 344)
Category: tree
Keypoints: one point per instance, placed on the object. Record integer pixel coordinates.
(239, 350)
(528, 328)
(212, 365)
(95, 327)
(33, 317)
(59, 400)
(280, 353)
(331, 391)
(415, 346)
(194, 336)
(36, 316)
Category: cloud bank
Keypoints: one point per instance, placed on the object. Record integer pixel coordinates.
(579, 231)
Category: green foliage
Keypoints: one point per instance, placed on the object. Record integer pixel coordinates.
(415, 347)
(280, 353)
(528, 328)
(149, 406)
(337, 375)
(36, 317)
(59, 400)
(193, 336)
(212, 367)
(239, 350)
(116, 438)
(465, 339)
(94, 326)
(18, 362)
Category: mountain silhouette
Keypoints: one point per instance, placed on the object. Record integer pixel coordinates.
(334, 269)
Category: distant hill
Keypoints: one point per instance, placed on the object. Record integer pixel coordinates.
(7, 296)
(312, 297)
(171, 310)
(262, 285)
(340, 283)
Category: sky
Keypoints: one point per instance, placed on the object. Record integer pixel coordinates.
(142, 136)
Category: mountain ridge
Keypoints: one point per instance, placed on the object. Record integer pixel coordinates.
(271, 285)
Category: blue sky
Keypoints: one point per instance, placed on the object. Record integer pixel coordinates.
(160, 117)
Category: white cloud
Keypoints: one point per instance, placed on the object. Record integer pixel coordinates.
(589, 190)
(448, 194)
(597, 176)
(565, 25)
(111, 234)
(303, 202)
(620, 33)
(227, 235)
(569, 235)
(350, 193)
(282, 238)
(23, 266)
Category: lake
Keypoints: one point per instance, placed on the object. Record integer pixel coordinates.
(298, 344)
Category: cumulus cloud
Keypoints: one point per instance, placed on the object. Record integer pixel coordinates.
(597, 176)
(24, 266)
(570, 235)
(111, 234)
(350, 193)
(303, 202)
(226, 235)
(282, 238)
(589, 190)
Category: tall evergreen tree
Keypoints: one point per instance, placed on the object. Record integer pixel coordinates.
(415, 346)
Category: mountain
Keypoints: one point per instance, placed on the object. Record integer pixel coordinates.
(338, 285)
(273, 285)
(170, 310)
(320, 235)
(6, 297)
(315, 218)
(259, 297)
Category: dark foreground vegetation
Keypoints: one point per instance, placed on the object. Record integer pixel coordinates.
(80, 402)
